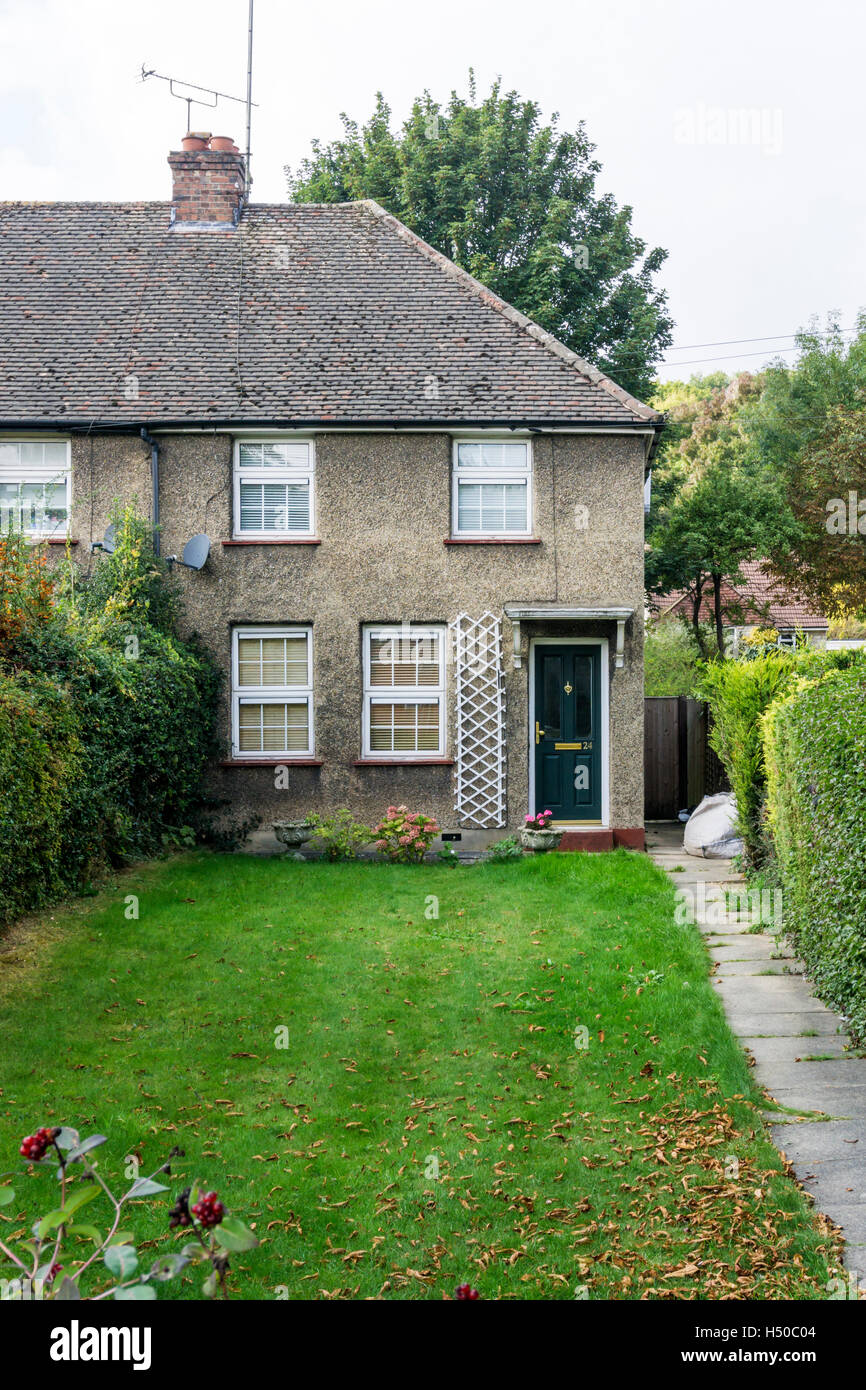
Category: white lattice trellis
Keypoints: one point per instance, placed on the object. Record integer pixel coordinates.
(480, 770)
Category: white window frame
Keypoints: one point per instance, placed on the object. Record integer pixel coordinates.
(403, 694)
(465, 473)
(274, 694)
(40, 473)
(291, 473)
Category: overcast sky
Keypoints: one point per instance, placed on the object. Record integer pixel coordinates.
(735, 130)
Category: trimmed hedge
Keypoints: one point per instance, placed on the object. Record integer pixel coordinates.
(106, 721)
(738, 693)
(101, 759)
(815, 753)
(41, 766)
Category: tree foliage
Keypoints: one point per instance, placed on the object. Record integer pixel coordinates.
(671, 660)
(716, 506)
(809, 429)
(513, 201)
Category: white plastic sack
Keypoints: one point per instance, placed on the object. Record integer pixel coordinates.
(710, 830)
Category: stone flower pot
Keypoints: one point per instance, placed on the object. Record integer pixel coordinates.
(292, 833)
(540, 840)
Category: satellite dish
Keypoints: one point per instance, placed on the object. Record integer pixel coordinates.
(196, 551)
(109, 541)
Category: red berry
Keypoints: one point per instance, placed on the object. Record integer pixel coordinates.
(34, 1146)
(209, 1210)
(465, 1291)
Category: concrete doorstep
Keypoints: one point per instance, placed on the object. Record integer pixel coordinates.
(797, 1043)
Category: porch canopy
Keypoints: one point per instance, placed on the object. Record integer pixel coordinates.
(557, 612)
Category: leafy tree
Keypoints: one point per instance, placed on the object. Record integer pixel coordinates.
(792, 411)
(719, 507)
(683, 404)
(809, 429)
(513, 202)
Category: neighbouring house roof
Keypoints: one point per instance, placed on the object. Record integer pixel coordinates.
(759, 600)
(302, 314)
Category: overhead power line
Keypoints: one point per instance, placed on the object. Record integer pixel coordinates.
(729, 342)
(723, 357)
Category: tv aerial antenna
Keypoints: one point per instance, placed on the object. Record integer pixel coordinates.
(210, 97)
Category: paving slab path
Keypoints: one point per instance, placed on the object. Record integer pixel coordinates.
(802, 1054)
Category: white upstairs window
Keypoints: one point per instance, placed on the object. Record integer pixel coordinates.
(404, 693)
(272, 692)
(492, 489)
(35, 487)
(273, 489)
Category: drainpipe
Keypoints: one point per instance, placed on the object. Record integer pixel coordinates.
(154, 482)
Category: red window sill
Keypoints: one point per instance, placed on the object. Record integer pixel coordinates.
(403, 762)
(492, 540)
(271, 762)
(313, 540)
(61, 540)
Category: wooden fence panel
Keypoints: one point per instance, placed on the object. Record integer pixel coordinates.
(661, 756)
(680, 767)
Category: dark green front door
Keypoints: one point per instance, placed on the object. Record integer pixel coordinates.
(567, 735)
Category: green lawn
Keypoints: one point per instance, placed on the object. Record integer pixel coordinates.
(413, 1041)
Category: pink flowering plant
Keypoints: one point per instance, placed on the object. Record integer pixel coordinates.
(540, 821)
(404, 835)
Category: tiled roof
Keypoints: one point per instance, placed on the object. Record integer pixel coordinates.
(760, 600)
(304, 313)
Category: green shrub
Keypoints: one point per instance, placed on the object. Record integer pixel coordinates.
(340, 835)
(738, 693)
(106, 720)
(130, 584)
(446, 855)
(502, 850)
(815, 750)
(41, 771)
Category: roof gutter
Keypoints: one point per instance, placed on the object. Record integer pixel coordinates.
(61, 425)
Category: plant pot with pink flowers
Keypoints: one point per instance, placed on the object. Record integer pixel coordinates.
(537, 834)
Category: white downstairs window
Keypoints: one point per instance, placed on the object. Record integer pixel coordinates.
(273, 489)
(34, 487)
(492, 489)
(404, 693)
(272, 692)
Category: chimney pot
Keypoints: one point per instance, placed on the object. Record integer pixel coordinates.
(208, 182)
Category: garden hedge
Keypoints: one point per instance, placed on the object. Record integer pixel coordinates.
(815, 754)
(41, 766)
(738, 693)
(101, 759)
(106, 720)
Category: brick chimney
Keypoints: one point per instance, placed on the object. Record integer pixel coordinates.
(208, 180)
